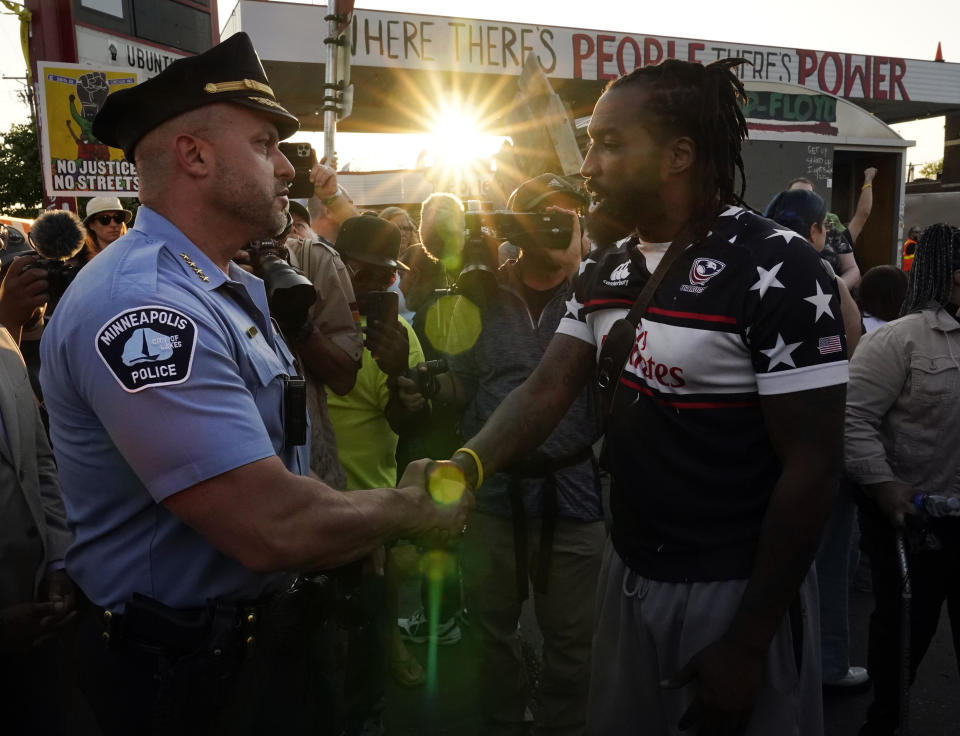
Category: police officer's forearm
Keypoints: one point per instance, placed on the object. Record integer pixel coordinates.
(341, 527)
(531, 411)
(269, 519)
(326, 362)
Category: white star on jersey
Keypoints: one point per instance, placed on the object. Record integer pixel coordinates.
(780, 353)
(573, 307)
(732, 211)
(787, 235)
(822, 302)
(767, 280)
(583, 266)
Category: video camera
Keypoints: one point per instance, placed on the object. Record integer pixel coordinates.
(290, 294)
(526, 230)
(485, 229)
(56, 237)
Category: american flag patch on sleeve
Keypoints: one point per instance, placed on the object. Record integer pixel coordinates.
(827, 345)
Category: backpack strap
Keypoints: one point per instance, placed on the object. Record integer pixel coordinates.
(622, 336)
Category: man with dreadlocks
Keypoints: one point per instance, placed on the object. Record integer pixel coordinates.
(725, 437)
(902, 434)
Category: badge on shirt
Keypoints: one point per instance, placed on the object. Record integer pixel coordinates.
(148, 346)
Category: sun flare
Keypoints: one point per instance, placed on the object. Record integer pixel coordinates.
(456, 138)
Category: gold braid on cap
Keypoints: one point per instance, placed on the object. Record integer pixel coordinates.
(213, 88)
(271, 103)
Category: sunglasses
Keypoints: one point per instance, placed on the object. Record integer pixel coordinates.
(373, 274)
(107, 219)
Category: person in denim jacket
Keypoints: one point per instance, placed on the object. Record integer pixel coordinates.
(902, 431)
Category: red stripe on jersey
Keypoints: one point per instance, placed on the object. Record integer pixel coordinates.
(687, 404)
(597, 302)
(694, 315)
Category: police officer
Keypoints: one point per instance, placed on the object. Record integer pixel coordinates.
(174, 417)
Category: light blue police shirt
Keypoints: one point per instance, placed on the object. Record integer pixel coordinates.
(159, 371)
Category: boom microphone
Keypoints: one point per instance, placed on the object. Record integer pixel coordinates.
(57, 235)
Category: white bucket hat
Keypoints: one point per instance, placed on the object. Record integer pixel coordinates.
(106, 204)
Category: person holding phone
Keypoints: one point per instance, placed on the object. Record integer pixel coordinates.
(367, 422)
(369, 248)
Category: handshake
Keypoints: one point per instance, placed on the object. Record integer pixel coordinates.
(448, 497)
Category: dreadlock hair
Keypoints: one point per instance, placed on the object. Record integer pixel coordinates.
(703, 103)
(931, 277)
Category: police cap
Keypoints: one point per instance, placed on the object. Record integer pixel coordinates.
(229, 72)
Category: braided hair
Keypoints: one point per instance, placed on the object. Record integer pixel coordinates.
(703, 103)
(931, 277)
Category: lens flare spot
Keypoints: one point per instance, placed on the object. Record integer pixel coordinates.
(437, 564)
(446, 483)
(453, 324)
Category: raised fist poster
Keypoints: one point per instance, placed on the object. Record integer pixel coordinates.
(75, 163)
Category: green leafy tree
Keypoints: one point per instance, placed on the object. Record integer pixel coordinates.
(21, 193)
(932, 170)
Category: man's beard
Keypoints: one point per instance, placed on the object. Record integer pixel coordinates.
(251, 206)
(608, 222)
(617, 214)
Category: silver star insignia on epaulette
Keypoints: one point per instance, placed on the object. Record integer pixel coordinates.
(195, 267)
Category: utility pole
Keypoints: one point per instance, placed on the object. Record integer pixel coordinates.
(335, 86)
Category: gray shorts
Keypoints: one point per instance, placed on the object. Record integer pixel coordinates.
(646, 630)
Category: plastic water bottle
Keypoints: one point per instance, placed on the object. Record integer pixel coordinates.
(937, 506)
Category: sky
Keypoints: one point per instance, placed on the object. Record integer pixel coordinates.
(881, 27)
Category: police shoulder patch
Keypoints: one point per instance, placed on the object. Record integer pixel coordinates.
(148, 346)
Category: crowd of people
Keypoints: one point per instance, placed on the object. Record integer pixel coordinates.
(627, 397)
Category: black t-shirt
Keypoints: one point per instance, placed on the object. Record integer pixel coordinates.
(837, 244)
(536, 300)
(748, 312)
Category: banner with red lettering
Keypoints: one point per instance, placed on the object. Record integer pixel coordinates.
(426, 42)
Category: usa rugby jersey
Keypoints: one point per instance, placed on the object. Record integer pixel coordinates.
(747, 312)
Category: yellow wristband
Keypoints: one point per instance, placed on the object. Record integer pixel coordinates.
(476, 460)
(868, 184)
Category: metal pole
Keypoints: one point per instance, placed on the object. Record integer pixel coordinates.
(906, 594)
(330, 79)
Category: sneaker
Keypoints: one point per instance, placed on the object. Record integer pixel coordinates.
(856, 677)
(416, 629)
